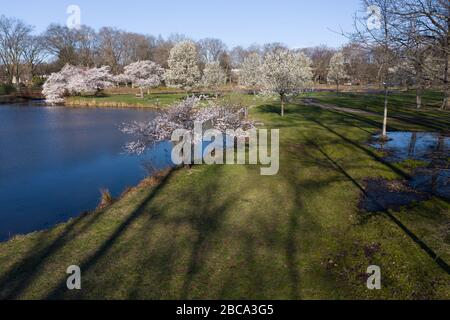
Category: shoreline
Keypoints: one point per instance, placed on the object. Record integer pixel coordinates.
(150, 181)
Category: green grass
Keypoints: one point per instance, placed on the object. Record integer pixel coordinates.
(226, 232)
(402, 107)
(153, 100)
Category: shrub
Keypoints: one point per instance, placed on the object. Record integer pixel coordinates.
(6, 89)
(106, 199)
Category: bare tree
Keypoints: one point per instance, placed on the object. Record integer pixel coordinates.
(34, 54)
(211, 49)
(379, 37)
(432, 25)
(111, 47)
(14, 35)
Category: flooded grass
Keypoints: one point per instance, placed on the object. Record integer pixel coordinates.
(425, 155)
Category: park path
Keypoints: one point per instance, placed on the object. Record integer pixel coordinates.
(435, 124)
(315, 103)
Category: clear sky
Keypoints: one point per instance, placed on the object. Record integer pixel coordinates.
(297, 23)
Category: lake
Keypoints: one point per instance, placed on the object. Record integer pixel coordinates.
(55, 160)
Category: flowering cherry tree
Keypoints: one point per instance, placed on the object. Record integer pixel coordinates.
(144, 74)
(75, 80)
(336, 71)
(91, 80)
(184, 115)
(250, 73)
(121, 79)
(214, 76)
(284, 73)
(183, 69)
(55, 88)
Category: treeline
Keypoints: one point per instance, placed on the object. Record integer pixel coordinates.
(395, 43)
(26, 56)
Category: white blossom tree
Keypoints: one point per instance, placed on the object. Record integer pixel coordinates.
(214, 76)
(250, 72)
(121, 79)
(57, 84)
(184, 115)
(75, 80)
(284, 73)
(144, 74)
(336, 71)
(183, 69)
(92, 80)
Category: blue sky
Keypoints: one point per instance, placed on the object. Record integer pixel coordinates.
(297, 23)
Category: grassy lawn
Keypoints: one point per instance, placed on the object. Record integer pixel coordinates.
(402, 106)
(226, 232)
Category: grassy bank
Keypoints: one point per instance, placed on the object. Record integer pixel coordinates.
(226, 232)
(126, 100)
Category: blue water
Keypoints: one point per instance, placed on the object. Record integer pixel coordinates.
(414, 145)
(54, 161)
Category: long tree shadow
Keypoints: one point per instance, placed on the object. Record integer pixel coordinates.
(429, 251)
(21, 275)
(367, 151)
(206, 221)
(59, 291)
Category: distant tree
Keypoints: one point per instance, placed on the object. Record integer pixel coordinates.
(250, 72)
(70, 45)
(211, 49)
(111, 47)
(183, 69)
(73, 80)
(214, 76)
(34, 54)
(284, 73)
(14, 36)
(320, 56)
(336, 71)
(144, 75)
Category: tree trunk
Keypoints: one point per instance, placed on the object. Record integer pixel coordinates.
(386, 92)
(446, 71)
(337, 86)
(419, 98)
(142, 93)
(412, 144)
(282, 105)
(446, 96)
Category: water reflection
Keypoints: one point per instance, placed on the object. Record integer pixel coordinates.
(54, 161)
(414, 145)
(431, 178)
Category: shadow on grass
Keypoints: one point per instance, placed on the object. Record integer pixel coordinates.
(15, 280)
(59, 291)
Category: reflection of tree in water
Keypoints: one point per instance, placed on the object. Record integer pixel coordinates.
(412, 144)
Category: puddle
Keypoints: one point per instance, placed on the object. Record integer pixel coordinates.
(382, 195)
(431, 180)
(425, 146)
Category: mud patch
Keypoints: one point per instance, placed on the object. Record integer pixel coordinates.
(382, 195)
